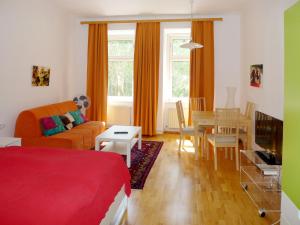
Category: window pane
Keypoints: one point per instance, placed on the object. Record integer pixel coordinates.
(177, 50)
(180, 79)
(120, 78)
(120, 48)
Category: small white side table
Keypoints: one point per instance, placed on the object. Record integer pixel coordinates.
(120, 143)
(9, 141)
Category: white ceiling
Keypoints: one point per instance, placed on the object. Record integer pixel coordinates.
(97, 8)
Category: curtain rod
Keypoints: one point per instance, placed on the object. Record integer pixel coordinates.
(150, 20)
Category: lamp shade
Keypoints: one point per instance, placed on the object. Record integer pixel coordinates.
(191, 45)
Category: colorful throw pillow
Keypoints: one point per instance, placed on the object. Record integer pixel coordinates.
(77, 116)
(58, 121)
(48, 123)
(70, 117)
(85, 119)
(68, 121)
(59, 126)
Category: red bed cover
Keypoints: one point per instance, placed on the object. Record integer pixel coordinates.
(43, 186)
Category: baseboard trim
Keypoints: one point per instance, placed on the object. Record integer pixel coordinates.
(290, 214)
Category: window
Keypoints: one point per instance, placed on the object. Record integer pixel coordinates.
(120, 66)
(179, 66)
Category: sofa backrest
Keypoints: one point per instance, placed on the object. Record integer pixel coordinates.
(28, 121)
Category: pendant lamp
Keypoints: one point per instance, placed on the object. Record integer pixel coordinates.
(191, 44)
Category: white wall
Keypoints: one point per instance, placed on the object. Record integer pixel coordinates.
(262, 35)
(32, 33)
(77, 66)
(227, 59)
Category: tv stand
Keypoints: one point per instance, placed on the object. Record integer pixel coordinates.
(260, 181)
(268, 158)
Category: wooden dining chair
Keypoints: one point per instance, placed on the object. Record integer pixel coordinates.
(226, 133)
(249, 112)
(198, 104)
(183, 129)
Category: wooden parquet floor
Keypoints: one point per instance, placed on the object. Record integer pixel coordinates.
(182, 191)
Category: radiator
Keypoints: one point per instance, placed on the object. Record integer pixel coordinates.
(119, 115)
(172, 118)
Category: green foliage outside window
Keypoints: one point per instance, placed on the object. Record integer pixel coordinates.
(120, 48)
(180, 78)
(180, 67)
(120, 75)
(120, 67)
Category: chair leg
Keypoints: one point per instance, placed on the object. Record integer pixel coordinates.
(179, 147)
(215, 158)
(237, 158)
(231, 153)
(203, 144)
(183, 141)
(226, 153)
(196, 145)
(207, 149)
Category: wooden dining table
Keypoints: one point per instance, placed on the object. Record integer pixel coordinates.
(206, 119)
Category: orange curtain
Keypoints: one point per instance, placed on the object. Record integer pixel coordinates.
(97, 72)
(202, 63)
(146, 75)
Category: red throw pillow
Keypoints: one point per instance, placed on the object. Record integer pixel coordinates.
(85, 119)
(48, 123)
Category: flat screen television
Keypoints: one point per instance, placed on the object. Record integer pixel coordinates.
(268, 135)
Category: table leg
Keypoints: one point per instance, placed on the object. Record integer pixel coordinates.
(140, 140)
(97, 145)
(204, 144)
(196, 137)
(249, 135)
(128, 160)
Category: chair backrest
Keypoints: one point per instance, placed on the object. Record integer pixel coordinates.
(249, 111)
(180, 114)
(227, 121)
(198, 104)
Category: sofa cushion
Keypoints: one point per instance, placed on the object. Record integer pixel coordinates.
(76, 139)
(87, 134)
(96, 127)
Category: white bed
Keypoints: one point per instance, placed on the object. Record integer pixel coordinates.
(117, 209)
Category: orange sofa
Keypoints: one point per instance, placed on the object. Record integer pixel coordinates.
(80, 137)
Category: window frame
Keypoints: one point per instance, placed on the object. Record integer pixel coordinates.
(122, 37)
(171, 59)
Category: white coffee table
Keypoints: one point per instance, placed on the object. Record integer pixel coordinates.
(120, 143)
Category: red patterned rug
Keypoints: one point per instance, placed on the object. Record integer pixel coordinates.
(142, 162)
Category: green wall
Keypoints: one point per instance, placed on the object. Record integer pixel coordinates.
(291, 136)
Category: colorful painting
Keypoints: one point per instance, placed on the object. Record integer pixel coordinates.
(40, 76)
(256, 73)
